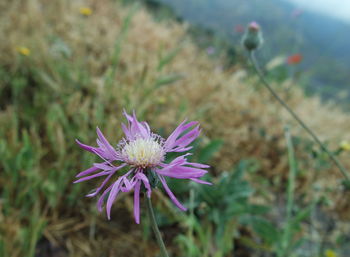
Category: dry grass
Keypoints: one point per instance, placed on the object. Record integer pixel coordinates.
(227, 105)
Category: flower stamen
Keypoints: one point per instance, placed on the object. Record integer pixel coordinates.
(143, 152)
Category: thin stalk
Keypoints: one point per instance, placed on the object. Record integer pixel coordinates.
(191, 225)
(155, 227)
(286, 237)
(292, 174)
(296, 117)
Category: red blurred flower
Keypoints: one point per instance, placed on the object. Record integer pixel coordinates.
(294, 59)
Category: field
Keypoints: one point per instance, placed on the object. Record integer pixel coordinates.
(67, 67)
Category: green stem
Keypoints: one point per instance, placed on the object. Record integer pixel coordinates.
(286, 237)
(296, 117)
(292, 174)
(155, 227)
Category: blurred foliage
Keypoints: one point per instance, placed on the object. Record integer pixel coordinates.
(318, 37)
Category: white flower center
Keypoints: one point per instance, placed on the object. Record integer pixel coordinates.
(143, 152)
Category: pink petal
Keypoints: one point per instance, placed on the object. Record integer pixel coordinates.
(135, 127)
(147, 127)
(127, 132)
(188, 137)
(102, 173)
(94, 193)
(88, 171)
(137, 202)
(138, 128)
(172, 140)
(145, 181)
(110, 152)
(182, 172)
(171, 195)
(104, 166)
(127, 116)
(112, 196)
(87, 147)
(102, 197)
(198, 165)
(181, 149)
(127, 185)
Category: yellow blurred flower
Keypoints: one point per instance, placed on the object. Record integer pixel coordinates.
(86, 11)
(23, 50)
(330, 253)
(161, 100)
(345, 145)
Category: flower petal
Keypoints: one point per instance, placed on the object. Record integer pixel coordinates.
(127, 132)
(98, 166)
(181, 160)
(126, 185)
(147, 127)
(174, 138)
(102, 198)
(94, 193)
(137, 202)
(136, 128)
(112, 196)
(88, 147)
(188, 138)
(104, 166)
(87, 171)
(127, 116)
(198, 165)
(145, 181)
(171, 195)
(102, 173)
(109, 152)
(97, 190)
(181, 172)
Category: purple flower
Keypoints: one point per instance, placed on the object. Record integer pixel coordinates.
(210, 50)
(142, 153)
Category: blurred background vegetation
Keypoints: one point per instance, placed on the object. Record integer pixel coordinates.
(322, 40)
(69, 66)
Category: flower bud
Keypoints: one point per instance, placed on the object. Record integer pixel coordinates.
(252, 38)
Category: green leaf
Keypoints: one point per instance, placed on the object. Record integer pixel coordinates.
(168, 58)
(265, 229)
(209, 150)
(166, 80)
(302, 215)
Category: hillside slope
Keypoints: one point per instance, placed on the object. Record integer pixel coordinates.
(323, 41)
